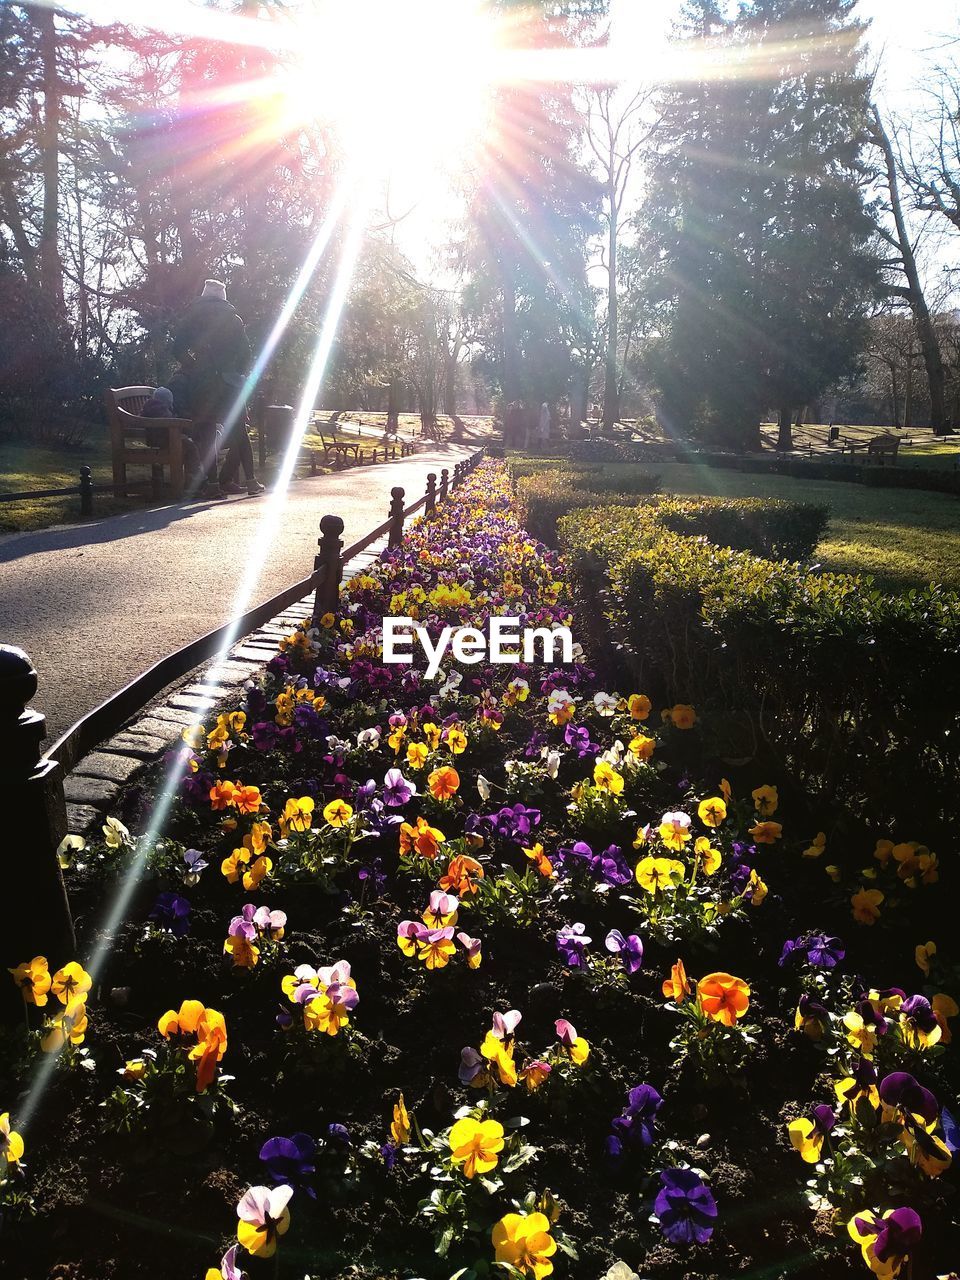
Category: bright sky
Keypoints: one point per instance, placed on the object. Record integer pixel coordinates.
(904, 38)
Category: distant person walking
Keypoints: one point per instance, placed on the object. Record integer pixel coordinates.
(543, 427)
(211, 344)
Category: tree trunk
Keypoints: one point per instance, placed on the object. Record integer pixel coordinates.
(611, 382)
(908, 397)
(785, 434)
(929, 344)
(511, 354)
(51, 276)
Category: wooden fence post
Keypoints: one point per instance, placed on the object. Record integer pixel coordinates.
(86, 493)
(444, 484)
(35, 821)
(327, 561)
(395, 537)
(431, 503)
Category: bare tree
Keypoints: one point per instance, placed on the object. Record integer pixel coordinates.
(931, 167)
(617, 131)
(906, 261)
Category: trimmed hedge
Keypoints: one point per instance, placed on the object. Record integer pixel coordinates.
(547, 495)
(853, 692)
(767, 527)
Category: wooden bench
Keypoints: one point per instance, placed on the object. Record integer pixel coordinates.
(881, 447)
(339, 448)
(126, 425)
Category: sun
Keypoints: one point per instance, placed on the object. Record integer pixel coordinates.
(405, 86)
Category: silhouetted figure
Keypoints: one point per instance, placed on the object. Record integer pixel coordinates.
(212, 346)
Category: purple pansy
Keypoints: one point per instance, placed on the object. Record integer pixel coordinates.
(685, 1207)
(397, 790)
(635, 1126)
(291, 1161)
(815, 949)
(171, 913)
(572, 943)
(895, 1236)
(629, 949)
(900, 1089)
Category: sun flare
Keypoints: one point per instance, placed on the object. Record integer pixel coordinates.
(405, 88)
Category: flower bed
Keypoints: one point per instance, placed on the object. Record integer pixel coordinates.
(490, 974)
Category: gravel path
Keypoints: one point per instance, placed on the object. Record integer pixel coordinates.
(96, 604)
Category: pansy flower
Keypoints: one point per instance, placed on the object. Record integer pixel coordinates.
(409, 934)
(72, 982)
(11, 1144)
(577, 1049)
(766, 832)
(682, 716)
(475, 1144)
(629, 949)
(723, 998)
(918, 1023)
(330, 1010)
(523, 1240)
(291, 1161)
(811, 1017)
(807, 1135)
(436, 949)
(572, 943)
(441, 911)
(400, 1127)
(444, 783)
(297, 815)
(535, 1073)
(420, 838)
(34, 980)
(171, 913)
(677, 986)
(472, 948)
(635, 1126)
(264, 1217)
(67, 1026)
(228, 1269)
(337, 814)
(462, 876)
(656, 874)
(674, 830)
(865, 904)
(397, 790)
(685, 1207)
(712, 811)
(886, 1241)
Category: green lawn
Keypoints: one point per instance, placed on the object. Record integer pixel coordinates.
(902, 537)
(25, 466)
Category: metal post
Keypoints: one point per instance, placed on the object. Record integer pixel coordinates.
(444, 484)
(431, 503)
(327, 562)
(31, 794)
(86, 493)
(395, 536)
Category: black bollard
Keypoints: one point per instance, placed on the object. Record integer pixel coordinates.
(31, 794)
(327, 561)
(395, 536)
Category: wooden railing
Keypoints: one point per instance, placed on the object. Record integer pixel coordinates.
(31, 782)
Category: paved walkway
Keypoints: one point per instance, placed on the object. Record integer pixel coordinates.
(96, 604)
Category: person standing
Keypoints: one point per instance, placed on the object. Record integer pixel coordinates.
(543, 427)
(212, 345)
